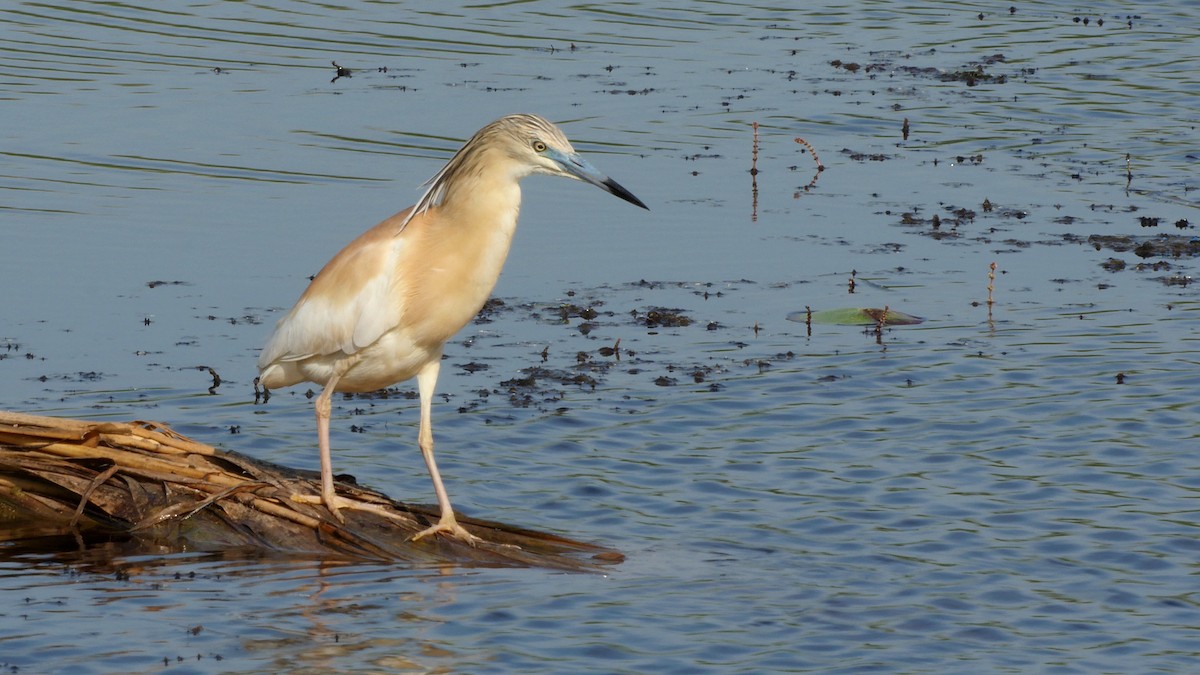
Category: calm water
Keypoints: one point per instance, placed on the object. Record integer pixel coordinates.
(974, 494)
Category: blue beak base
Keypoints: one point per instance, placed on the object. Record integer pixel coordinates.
(580, 168)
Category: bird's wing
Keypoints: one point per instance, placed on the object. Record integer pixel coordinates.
(348, 305)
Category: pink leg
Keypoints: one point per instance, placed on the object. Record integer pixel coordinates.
(323, 406)
(426, 382)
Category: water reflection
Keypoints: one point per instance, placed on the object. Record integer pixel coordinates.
(178, 607)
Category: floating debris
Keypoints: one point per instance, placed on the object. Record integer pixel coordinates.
(341, 72)
(656, 317)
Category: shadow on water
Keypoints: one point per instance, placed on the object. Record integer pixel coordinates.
(1004, 486)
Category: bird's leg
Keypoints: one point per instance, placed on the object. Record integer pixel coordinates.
(323, 405)
(329, 498)
(426, 381)
(328, 494)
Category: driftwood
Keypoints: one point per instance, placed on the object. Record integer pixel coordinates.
(143, 482)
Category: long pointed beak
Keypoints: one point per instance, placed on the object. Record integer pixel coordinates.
(578, 167)
(615, 188)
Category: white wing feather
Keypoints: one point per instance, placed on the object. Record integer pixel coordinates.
(321, 326)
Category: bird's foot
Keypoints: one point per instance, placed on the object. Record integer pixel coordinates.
(335, 504)
(447, 525)
(450, 527)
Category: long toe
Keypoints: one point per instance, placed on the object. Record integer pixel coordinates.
(332, 507)
(332, 502)
(450, 528)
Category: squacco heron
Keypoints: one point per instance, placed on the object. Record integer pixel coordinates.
(381, 310)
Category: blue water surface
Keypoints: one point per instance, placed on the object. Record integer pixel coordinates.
(977, 493)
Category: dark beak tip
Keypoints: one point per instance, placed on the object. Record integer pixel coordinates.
(615, 188)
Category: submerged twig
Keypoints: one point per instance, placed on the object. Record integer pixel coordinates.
(341, 72)
(754, 177)
(990, 288)
(614, 350)
(263, 395)
(991, 283)
(820, 167)
(216, 379)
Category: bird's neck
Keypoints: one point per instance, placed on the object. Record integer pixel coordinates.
(466, 244)
(487, 201)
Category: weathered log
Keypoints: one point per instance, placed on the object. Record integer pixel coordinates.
(144, 483)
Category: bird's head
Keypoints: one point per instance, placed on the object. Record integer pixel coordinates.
(539, 146)
(519, 144)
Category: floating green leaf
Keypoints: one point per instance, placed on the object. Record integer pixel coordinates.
(857, 316)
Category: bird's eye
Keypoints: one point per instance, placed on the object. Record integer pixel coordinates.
(539, 146)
